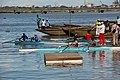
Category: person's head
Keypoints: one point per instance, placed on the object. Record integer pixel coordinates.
(37, 15)
(102, 23)
(92, 39)
(117, 17)
(115, 22)
(23, 33)
(76, 34)
(35, 35)
(98, 23)
(98, 20)
(88, 31)
(76, 41)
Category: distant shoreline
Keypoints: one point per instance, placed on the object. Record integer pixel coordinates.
(55, 9)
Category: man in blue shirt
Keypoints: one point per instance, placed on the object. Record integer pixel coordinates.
(36, 38)
(23, 37)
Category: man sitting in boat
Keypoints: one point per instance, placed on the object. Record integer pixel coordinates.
(89, 39)
(88, 36)
(75, 37)
(35, 38)
(75, 44)
(23, 37)
(93, 43)
(47, 24)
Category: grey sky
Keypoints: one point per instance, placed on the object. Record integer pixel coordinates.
(51, 2)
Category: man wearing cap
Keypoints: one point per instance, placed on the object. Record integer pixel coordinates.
(97, 28)
(100, 30)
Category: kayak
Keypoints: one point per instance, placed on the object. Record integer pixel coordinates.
(26, 42)
(70, 49)
(41, 43)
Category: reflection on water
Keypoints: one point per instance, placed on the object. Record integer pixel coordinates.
(93, 55)
(116, 56)
(116, 61)
(30, 66)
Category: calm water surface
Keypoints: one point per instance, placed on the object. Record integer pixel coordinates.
(15, 65)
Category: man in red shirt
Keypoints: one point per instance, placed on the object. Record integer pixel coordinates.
(88, 36)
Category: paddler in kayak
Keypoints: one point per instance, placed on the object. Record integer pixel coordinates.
(23, 37)
(35, 38)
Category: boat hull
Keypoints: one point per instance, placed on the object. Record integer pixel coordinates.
(26, 42)
(64, 49)
(80, 32)
(83, 32)
(57, 31)
(52, 32)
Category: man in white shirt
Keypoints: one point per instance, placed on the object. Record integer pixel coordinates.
(97, 28)
(43, 24)
(47, 24)
(100, 30)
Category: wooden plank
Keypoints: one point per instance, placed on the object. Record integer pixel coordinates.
(62, 59)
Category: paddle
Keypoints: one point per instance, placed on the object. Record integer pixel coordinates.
(34, 20)
(65, 48)
(12, 41)
(9, 41)
(88, 47)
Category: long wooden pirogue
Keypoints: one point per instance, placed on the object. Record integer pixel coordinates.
(69, 29)
(58, 30)
(82, 32)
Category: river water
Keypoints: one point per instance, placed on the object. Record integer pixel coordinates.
(15, 65)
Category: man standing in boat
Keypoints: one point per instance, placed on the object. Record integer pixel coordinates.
(38, 21)
(100, 30)
(107, 25)
(115, 30)
(43, 24)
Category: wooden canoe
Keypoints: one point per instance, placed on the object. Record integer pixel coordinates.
(83, 32)
(57, 31)
(80, 32)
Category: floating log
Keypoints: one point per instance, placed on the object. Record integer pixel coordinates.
(62, 59)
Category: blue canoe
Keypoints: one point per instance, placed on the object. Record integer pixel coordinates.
(25, 42)
(70, 49)
(40, 42)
